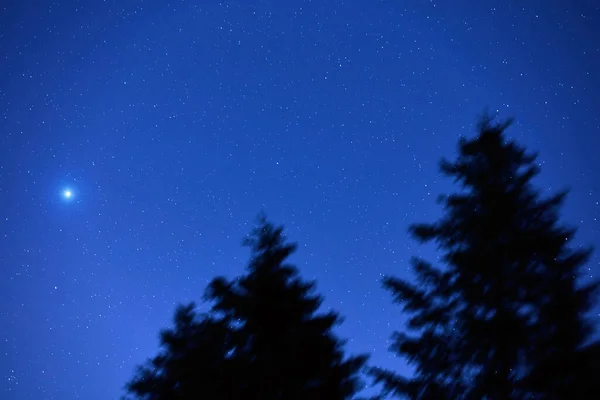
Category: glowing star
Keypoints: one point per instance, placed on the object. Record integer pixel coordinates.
(67, 194)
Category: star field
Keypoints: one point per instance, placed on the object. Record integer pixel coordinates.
(140, 139)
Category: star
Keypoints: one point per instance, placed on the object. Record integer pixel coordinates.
(67, 194)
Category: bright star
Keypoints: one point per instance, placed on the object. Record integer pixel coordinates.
(67, 194)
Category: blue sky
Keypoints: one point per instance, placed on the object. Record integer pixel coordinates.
(174, 125)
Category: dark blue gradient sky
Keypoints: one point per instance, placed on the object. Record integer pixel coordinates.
(175, 124)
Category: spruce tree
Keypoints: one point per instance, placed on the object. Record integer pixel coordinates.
(507, 302)
(289, 350)
(262, 339)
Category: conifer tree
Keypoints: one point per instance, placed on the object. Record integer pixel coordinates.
(507, 302)
(290, 350)
(262, 339)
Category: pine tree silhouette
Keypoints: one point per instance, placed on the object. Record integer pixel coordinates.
(263, 339)
(507, 302)
(290, 351)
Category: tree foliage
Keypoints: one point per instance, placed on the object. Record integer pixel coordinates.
(262, 339)
(194, 363)
(291, 350)
(507, 308)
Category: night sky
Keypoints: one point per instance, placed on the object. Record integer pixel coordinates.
(139, 140)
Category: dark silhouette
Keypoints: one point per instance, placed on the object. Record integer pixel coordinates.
(567, 376)
(195, 362)
(261, 340)
(290, 351)
(506, 318)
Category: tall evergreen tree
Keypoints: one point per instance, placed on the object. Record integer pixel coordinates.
(263, 339)
(290, 350)
(508, 302)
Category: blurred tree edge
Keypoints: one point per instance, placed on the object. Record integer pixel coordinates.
(262, 338)
(506, 317)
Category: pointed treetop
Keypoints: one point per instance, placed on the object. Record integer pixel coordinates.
(268, 240)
